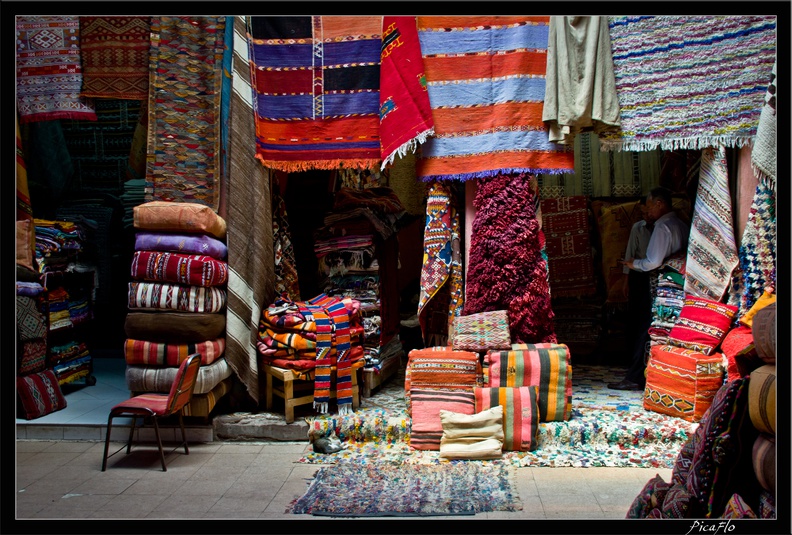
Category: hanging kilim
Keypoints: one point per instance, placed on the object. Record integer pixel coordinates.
(115, 56)
(184, 110)
(316, 82)
(506, 269)
(764, 151)
(49, 74)
(441, 274)
(689, 82)
(486, 83)
(405, 114)
(712, 251)
(758, 248)
(286, 276)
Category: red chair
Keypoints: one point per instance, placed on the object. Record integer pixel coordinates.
(152, 407)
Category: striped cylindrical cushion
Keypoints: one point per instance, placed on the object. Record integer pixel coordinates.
(149, 379)
(520, 414)
(440, 367)
(145, 353)
(681, 382)
(543, 365)
(202, 404)
(764, 461)
(762, 398)
(426, 428)
(165, 296)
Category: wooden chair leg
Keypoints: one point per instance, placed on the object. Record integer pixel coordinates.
(159, 443)
(288, 398)
(184, 435)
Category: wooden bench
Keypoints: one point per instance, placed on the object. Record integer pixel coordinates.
(295, 392)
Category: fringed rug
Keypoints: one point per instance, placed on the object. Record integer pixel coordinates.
(607, 428)
(486, 83)
(689, 82)
(316, 82)
(380, 489)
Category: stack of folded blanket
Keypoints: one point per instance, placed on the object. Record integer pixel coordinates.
(668, 301)
(177, 300)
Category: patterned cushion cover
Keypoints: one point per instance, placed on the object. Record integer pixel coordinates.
(39, 394)
(651, 496)
(764, 333)
(174, 327)
(30, 321)
(179, 217)
(684, 460)
(740, 352)
(33, 356)
(737, 508)
(520, 414)
(190, 270)
(762, 399)
(440, 367)
(472, 436)
(767, 508)
(681, 382)
(543, 365)
(145, 353)
(702, 324)
(764, 461)
(679, 503)
(766, 299)
(426, 427)
(481, 332)
(163, 296)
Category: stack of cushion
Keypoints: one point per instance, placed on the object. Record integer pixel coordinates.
(176, 300)
(683, 375)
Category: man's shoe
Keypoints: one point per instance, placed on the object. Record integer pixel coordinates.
(625, 384)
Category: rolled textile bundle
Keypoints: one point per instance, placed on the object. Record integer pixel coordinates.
(164, 296)
(160, 379)
(179, 217)
(191, 270)
(146, 353)
(174, 327)
(201, 244)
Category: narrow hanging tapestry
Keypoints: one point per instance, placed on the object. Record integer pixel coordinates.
(184, 130)
(712, 251)
(405, 114)
(486, 82)
(115, 57)
(316, 91)
(689, 82)
(764, 152)
(49, 74)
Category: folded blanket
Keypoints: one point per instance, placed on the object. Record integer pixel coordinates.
(174, 327)
(175, 297)
(160, 379)
(181, 243)
(192, 270)
(179, 217)
(145, 353)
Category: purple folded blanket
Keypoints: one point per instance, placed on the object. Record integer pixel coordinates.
(181, 243)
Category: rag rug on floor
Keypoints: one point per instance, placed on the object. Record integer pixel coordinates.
(49, 73)
(689, 82)
(184, 131)
(316, 81)
(486, 87)
(382, 489)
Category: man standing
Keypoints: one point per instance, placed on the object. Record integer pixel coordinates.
(670, 235)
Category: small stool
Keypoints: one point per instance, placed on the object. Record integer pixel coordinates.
(290, 387)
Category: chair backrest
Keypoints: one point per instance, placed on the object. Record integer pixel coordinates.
(183, 385)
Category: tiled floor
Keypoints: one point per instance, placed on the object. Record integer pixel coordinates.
(59, 459)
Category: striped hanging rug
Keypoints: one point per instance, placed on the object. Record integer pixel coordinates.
(486, 83)
(184, 110)
(316, 83)
(689, 82)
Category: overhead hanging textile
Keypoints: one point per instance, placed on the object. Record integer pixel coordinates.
(115, 57)
(316, 82)
(764, 152)
(184, 130)
(689, 82)
(486, 82)
(405, 114)
(49, 74)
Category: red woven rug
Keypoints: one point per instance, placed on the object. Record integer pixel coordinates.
(49, 74)
(115, 56)
(565, 223)
(316, 83)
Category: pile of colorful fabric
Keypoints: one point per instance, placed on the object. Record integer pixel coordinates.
(57, 242)
(668, 301)
(314, 338)
(176, 300)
